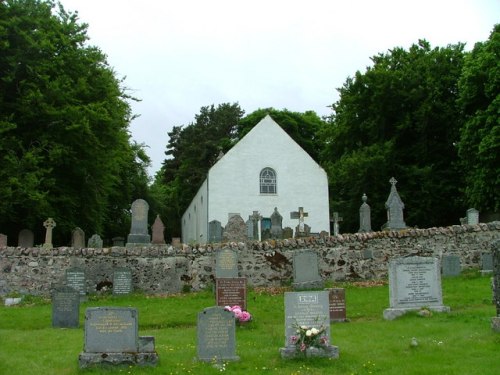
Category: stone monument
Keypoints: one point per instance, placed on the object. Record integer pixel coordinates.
(365, 221)
(65, 308)
(306, 270)
(276, 225)
(26, 238)
(95, 242)
(300, 230)
(157, 230)
(139, 227)
(395, 207)
(78, 238)
(235, 230)
(49, 224)
(3, 240)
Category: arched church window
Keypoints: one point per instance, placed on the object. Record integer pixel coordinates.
(268, 181)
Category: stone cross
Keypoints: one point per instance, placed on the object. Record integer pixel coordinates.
(300, 214)
(49, 224)
(256, 218)
(336, 220)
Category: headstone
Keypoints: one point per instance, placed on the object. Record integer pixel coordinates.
(26, 238)
(306, 270)
(216, 335)
(495, 251)
(256, 219)
(249, 225)
(486, 262)
(365, 221)
(336, 223)
(176, 242)
(95, 242)
(122, 281)
(276, 224)
(414, 283)
(65, 307)
(226, 263)
(287, 233)
(299, 214)
(157, 230)
(118, 241)
(472, 216)
(3, 240)
(337, 304)
(139, 226)
(231, 292)
(309, 309)
(78, 238)
(394, 206)
(49, 224)
(215, 231)
(75, 278)
(265, 228)
(450, 265)
(235, 230)
(111, 338)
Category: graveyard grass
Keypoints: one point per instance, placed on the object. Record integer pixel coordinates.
(459, 342)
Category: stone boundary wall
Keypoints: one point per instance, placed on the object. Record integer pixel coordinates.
(166, 269)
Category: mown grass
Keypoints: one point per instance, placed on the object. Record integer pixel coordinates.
(459, 342)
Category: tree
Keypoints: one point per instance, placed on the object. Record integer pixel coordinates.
(65, 149)
(399, 118)
(479, 145)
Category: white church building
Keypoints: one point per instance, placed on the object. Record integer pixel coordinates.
(265, 170)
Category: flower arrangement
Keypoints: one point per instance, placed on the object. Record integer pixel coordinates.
(240, 315)
(309, 337)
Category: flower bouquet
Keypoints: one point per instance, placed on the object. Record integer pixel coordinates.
(309, 337)
(240, 315)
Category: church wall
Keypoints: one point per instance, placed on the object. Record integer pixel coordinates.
(194, 221)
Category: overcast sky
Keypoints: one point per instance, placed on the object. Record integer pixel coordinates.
(178, 56)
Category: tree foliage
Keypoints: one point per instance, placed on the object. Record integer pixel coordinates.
(399, 118)
(65, 150)
(479, 146)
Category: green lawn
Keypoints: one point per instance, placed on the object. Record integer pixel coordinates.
(460, 342)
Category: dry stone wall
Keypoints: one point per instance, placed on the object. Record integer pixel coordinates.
(167, 269)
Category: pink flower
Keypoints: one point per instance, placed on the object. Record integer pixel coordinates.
(303, 347)
(245, 316)
(293, 339)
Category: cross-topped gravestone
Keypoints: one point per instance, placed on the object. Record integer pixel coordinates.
(256, 218)
(336, 223)
(49, 224)
(365, 221)
(300, 214)
(394, 206)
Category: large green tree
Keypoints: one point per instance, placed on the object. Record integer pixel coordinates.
(479, 146)
(65, 150)
(398, 118)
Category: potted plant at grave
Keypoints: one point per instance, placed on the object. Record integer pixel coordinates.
(241, 316)
(309, 339)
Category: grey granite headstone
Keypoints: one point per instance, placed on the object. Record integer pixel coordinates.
(216, 335)
(287, 232)
(472, 216)
(78, 238)
(215, 231)
(394, 206)
(450, 265)
(307, 308)
(226, 263)
(365, 221)
(486, 262)
(276, 224)
(122, 281)
(235, 230)
(157, 229)
(26, 238)
(65, 308)
(495, 251)
(306, 270)
(231, 291)
(95, 242)
(3, 240)
(75, 278)
(139, 226)
(414, 283)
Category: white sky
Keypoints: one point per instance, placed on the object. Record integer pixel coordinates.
(178, 56)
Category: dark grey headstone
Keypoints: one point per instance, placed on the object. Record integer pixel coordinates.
(414, 283)
(450, 265)
(95, 242)
(139, 226)
(226, 263)
(65, 308)
(111, 329)
(216, 335)
(78, 238)
(231, 292)
(486, 262)
(306, 270)
(122, 281)
(276, 224)
(215, 231)
(75, 278)
(26, 238)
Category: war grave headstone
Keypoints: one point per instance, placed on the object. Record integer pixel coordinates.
(122, 281)
(3, 240)
(235, 230)
(49, 225)
(309, 309)
(394, 206)
(450, 265)
(231, 292)
(495, 251)
(75, 278)
(337, 304)
(306, 270)
(78, 238)
(486, 262)
(157, 230)
(95, 242)
(226, 263)
(139, 226)
(111, 337)
(26, 238)
(365, 221)
(414, 283)
(65, 308)
(215, 231)
(216, 335)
